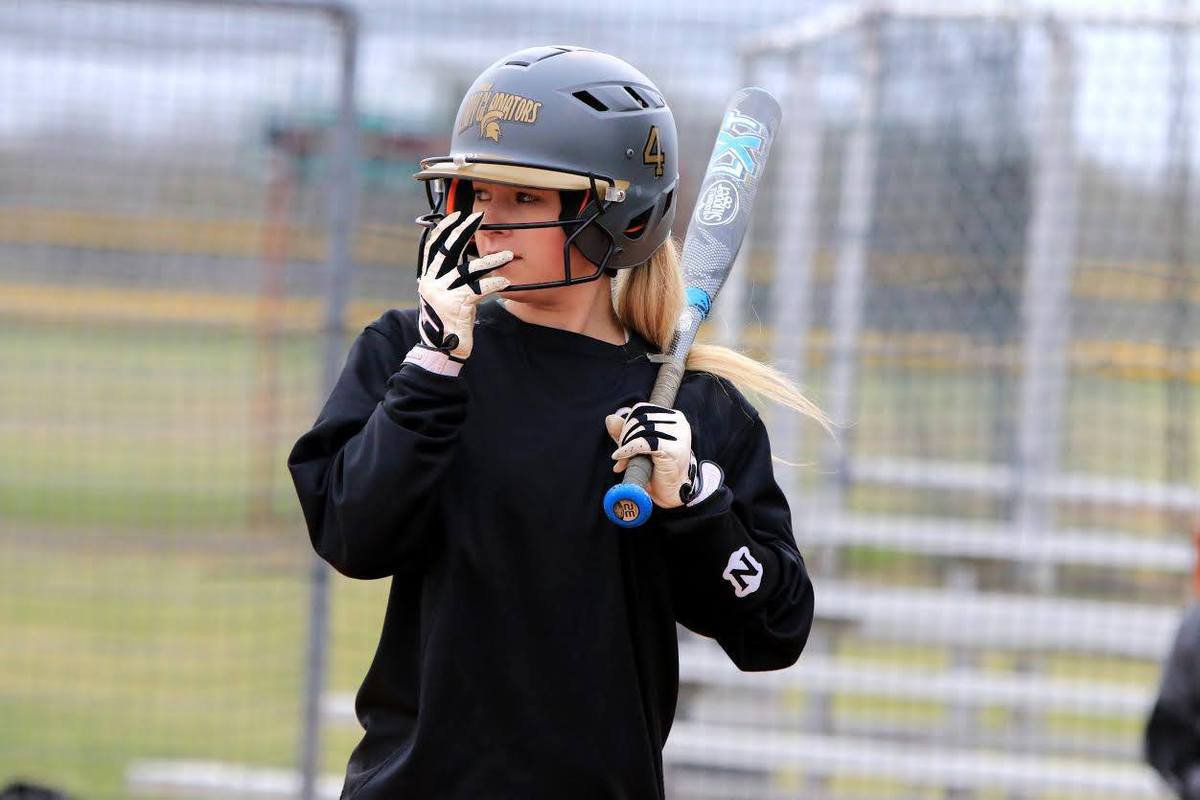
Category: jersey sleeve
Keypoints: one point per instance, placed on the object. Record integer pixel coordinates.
(367, 471)
(736, 574)
(1172, 736)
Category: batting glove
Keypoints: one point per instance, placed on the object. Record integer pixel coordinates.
(665, 435)
(450, 288)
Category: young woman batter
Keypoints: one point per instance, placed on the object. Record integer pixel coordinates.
(529, 647)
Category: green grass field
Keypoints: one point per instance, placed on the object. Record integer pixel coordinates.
(145, 616)
(121, 653)
(145, 428)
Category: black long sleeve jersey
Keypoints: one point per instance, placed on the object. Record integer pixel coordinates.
(529, 645)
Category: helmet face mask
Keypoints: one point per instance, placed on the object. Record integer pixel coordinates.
(447, 195)
(572, 120)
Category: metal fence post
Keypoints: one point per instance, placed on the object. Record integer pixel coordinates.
(854, 232)
(795, 245)
(1180, 433)
(1046, 304)
(342, 198)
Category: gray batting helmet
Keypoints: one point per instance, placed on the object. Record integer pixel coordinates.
(576, 120)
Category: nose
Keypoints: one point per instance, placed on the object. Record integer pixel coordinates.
(496, 214)
(489, 240)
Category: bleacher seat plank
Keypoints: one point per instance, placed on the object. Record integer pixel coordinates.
(705, 665)
(998, 620)
(991, 540)
(1001, 479)
(730, 748)
(200, 779)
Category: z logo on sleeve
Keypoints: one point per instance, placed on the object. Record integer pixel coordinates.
(743, 572)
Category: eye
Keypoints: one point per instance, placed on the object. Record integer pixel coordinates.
(525, 197)
(482, 195)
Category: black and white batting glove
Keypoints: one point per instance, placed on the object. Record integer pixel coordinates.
(449, 290)
(665, 435)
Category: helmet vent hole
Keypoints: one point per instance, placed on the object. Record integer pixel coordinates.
(637, 97)
(591, 100)
(533, 55)
(637, 226)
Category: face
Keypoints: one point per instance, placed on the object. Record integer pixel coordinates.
(537, 252)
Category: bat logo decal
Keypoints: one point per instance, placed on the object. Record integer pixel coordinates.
(719, 203)
(738, 146)
(626, 510)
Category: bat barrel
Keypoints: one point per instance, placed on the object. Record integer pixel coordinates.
(727, 193)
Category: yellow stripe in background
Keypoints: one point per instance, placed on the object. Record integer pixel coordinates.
(922, 351)
(395, 245)
(143, 306)
(230, 238)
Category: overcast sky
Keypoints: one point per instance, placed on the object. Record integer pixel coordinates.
(143, 71)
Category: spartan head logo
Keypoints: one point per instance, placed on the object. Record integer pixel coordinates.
(489, 126)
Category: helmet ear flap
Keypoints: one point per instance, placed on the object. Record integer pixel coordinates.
(590, 241)
(573, 202)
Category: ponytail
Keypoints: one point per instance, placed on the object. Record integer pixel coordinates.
(649, 298)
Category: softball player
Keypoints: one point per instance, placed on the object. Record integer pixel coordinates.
(529, 645)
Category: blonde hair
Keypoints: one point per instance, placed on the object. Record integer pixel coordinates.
(649, 299)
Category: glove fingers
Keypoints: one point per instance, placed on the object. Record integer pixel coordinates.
(650, 407)
(645, 419)
(641, 446)
(615, 423)
(447, 222)
(482, 266)
(638, 431)
(490, 286)
(466, 229)
(479, 268)
(636, 447)
(435, 239)
(447, 252)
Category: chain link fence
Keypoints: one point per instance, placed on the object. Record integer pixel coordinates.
(975, 247)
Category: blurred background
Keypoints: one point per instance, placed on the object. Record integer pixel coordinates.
(975, 248)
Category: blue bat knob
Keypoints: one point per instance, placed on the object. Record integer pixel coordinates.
(628, 505)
